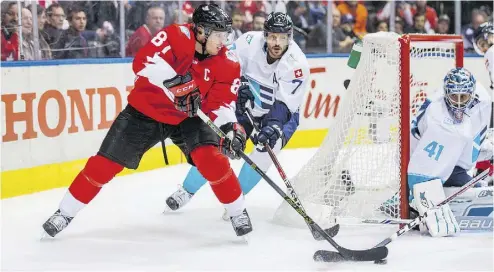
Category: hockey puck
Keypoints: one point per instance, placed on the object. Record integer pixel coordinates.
(381, 261)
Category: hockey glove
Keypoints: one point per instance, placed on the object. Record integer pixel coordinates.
(234, 141)
(244, 98)
(187, 95)
(268, 135)
(440, 221)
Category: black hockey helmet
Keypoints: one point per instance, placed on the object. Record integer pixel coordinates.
(278, 22)
(482, 34)
(211, 16)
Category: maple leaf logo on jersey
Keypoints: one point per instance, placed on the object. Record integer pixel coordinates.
(298, 73)
(157, 70)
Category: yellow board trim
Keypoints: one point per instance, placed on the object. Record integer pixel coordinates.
(45, 177)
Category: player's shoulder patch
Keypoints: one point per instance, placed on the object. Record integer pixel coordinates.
(248, 38)
(185, 30)
(298, 73)
(231, 56)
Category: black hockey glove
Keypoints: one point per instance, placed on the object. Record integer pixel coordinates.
(187, 95)
(244, 96)
(268, 135)
(234, 141)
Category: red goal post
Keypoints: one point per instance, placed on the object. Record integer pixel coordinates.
(406, 42)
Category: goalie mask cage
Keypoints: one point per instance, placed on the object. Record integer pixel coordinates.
(360, 170)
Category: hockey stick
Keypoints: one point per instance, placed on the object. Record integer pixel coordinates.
(417, 220)
(330, 231)
(331, 256)
(376, 253)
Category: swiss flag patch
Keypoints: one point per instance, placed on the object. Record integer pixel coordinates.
(298, 73)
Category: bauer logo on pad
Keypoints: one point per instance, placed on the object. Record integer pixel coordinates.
(298, 73)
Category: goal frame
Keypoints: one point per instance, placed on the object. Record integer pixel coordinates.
(405, 74)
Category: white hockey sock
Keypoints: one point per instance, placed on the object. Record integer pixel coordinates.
(70, 206)
(236, 207)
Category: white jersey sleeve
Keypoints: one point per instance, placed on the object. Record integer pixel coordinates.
(241, 49)
(489, 64)
(293, 77)
(437, 144)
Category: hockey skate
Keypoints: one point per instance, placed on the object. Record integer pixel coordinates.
(241, 223)
(178, 199)
(56, 223)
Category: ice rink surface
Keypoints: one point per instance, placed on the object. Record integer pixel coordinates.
(124, 229)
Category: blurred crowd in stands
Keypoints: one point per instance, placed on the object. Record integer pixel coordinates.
(91, 29)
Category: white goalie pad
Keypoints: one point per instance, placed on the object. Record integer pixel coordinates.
(440, 221)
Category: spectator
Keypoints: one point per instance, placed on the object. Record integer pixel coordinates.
(359, 12)
(10, 39)
(54, 24)
(186, 16)
(443, 24)
(43, 45)
(317, 12)
(155, 21)
(478, 17)
(258, 21)
(399, 25)
(28, 43)
(382, 26)
(418, 24)
(296, 11)
(28, 51)
(421, 7)
(102, 13)
(248, 8)
(341, 42)
(347, 25)
(237, 23)
(72, 45)
(403, 10)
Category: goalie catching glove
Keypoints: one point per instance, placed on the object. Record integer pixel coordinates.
(234, 141)
(440, 221)
(187, 95)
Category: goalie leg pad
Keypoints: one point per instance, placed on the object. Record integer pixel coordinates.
(215, 167)
(440, 221)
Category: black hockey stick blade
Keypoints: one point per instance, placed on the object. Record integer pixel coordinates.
(374, 254)
(333, 231)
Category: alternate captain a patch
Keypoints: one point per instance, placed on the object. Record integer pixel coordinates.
(298, 73)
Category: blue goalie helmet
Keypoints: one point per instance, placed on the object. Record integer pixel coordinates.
(459, 92)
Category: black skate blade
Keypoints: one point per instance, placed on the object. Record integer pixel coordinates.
(333, 231)
(373, 254)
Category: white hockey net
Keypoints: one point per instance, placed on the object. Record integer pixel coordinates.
(357, 171)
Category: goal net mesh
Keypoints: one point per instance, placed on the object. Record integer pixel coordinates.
(356, 171)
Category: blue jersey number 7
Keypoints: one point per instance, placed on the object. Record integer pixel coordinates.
(431, 149)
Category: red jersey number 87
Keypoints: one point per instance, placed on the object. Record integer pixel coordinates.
(159, 39)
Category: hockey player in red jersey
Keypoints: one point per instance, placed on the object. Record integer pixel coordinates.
(183, 68)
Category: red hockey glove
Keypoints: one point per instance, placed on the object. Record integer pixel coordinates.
(186, 92)
(234, 141)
